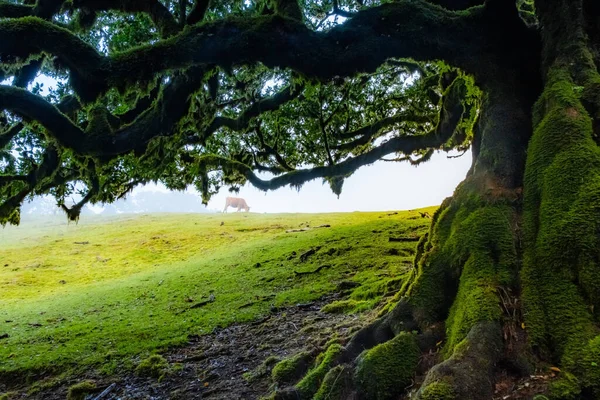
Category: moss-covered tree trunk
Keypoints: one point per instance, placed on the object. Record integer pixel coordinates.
(509, 273)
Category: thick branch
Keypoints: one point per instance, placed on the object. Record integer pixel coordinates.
(413, 28)
(10, 10)
(342, 13)
(4, 179)
(160, 120)
(198, 11)
(9, 134)
(48, 166)
(42, 8)
(160, 15)
(407, 144)
(36, 108)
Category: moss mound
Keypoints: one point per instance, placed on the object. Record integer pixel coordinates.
(80, 390)
(154, 366)
(438, 391)
(311, 383)
(335, 384)
(384, 371)
(288, 371)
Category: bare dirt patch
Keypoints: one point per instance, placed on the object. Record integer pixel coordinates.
(218, 365)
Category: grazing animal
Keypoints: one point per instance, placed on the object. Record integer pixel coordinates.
(237, 202)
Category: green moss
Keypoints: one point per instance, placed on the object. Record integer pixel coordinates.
(334, 384)
(561, 275)
(566, 388)
(590, 366)
(438, 391)
(310, 384)
(8, 396)
(80, 390)
(154, 366)
(471, 254)
(540, 397)
(384, 371)
(290, 369)
(485, 240)
(347, 306)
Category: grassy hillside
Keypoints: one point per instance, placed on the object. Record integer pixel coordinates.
(103, 293)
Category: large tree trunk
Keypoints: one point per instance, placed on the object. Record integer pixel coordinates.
(509, 273)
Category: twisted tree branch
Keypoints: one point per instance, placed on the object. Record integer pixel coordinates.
(413, 28)
(160, 120)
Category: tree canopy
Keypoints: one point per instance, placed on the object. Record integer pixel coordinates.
(212, 93)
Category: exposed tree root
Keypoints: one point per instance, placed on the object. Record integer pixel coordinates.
(468, 373)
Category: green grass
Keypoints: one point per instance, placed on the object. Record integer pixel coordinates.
(127, 291)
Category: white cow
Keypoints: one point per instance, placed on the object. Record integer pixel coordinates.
(237, 202)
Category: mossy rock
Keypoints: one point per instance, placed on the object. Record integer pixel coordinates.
(154, 366)
(540, 397)
(383, 372)
(8, 396)
(289, 370)
(80, 390)
(438, 391)
(311, 383)
(335, 384)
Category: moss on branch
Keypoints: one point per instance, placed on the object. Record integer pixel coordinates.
(160, 15)
(414, 29)
(11, 10)
(159, 120)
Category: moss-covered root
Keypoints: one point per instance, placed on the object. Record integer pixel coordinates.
(468, 373)
(311, 383)
(336, 385)
(561, 268)
(383, 372)
(399, 319)
(290, 370)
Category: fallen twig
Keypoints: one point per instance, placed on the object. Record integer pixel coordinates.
(258, 300)
(106, 391)
(307, 228)
(304, 256)
(297, 230)
(312, 272)
(405, 239)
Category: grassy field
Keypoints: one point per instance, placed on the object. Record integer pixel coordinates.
(103, 293)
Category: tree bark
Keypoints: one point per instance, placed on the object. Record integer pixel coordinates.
(509, 273)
